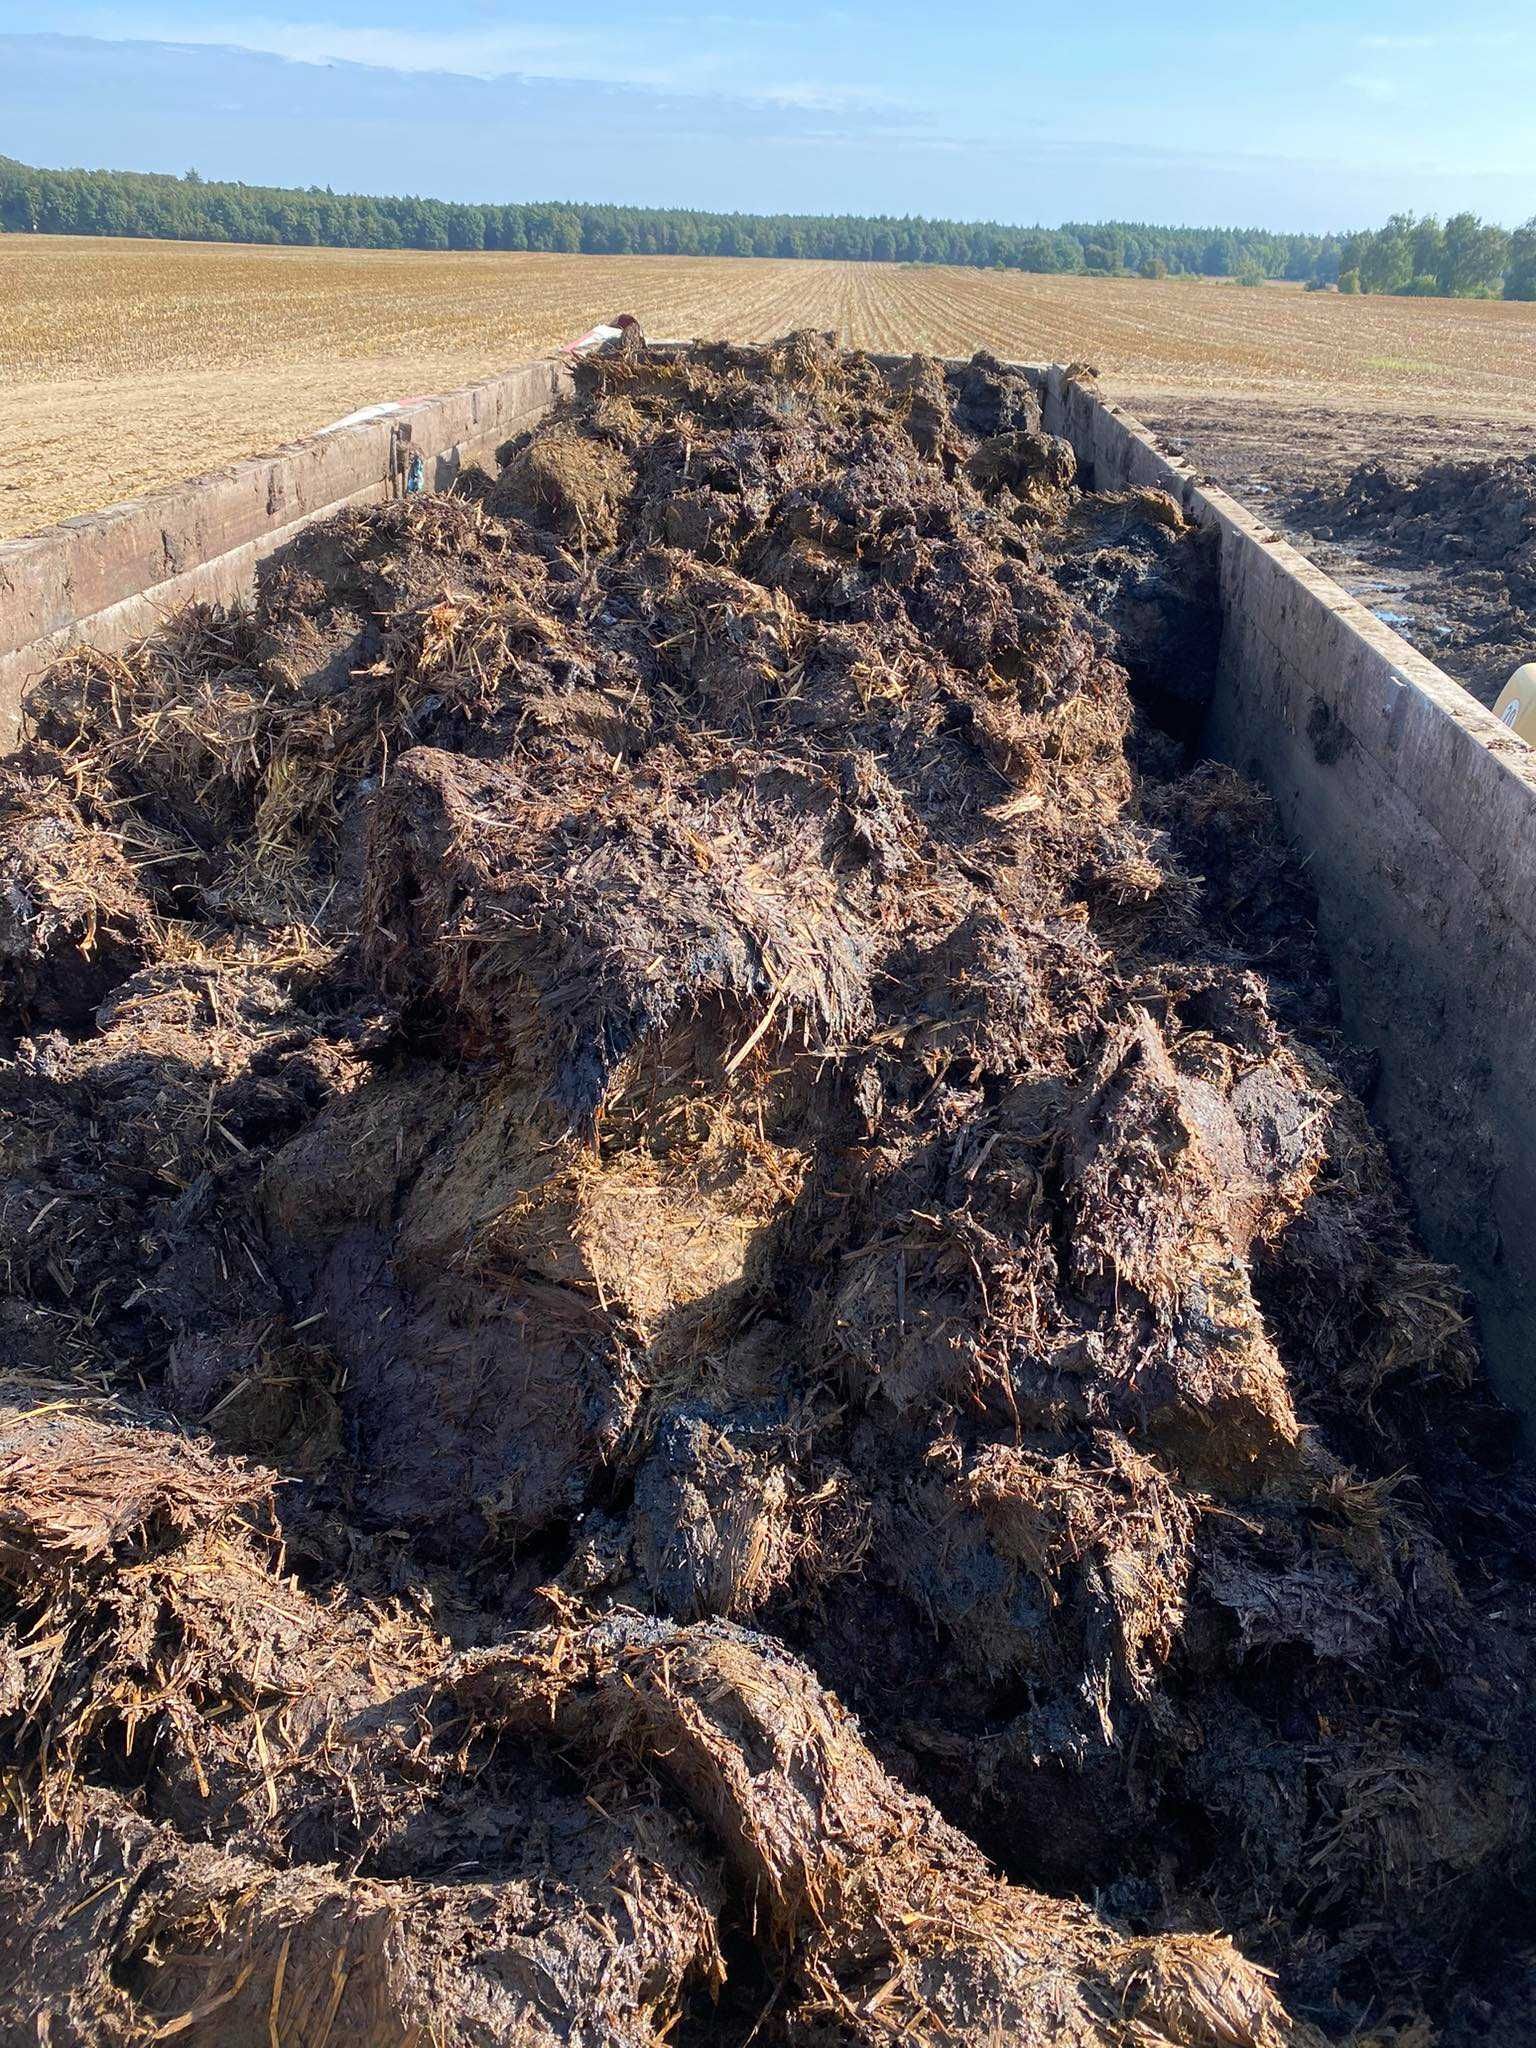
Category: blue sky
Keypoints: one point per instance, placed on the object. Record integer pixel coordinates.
(1302, 115)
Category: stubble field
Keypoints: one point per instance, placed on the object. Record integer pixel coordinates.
(127, 365)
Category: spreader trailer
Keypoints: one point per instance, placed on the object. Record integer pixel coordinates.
(1414, 808)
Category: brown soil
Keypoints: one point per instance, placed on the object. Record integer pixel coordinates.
(1465, 531)
(704, 1342)
(1429, 521)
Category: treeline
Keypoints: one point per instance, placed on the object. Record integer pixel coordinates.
(1462, 258)
(138, 203)
(1132, 248)
(195, 209)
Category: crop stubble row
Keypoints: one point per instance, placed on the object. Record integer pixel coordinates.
(129, 365)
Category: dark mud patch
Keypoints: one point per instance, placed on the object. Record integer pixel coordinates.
(1430, 522)
(1458, 540)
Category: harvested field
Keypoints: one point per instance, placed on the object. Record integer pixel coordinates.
(125, 365)
(705, 1342)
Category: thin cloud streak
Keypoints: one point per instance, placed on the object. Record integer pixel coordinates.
(525, 50)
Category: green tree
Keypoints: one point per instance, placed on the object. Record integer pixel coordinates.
(1428, 247)
(1475, 253)
(1386, 262)
(1520, 277)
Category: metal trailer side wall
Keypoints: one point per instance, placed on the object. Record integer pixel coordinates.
(110, 577)
(1415, 810)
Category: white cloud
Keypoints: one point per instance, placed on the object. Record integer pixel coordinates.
(680, 62)
(824, 98)
(1459, 39)
(537, 50)
(1371, 86)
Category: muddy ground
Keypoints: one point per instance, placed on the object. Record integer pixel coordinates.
(704, 1338)
(1430, 521)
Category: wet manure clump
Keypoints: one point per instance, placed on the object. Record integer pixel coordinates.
(702, 1339)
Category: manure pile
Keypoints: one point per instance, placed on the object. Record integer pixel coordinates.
(703, 1342)
(1458, 539)
(1474, 517)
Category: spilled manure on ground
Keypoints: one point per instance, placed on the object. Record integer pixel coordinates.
(702, 1339)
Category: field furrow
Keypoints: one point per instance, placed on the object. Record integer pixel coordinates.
(126, 365)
